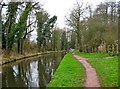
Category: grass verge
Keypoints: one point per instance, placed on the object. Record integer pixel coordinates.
(107, 70)
(92, 55)
(70, 73)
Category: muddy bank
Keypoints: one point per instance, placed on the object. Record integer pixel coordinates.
(13, 59)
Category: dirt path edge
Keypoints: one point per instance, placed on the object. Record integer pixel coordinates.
(91, 75)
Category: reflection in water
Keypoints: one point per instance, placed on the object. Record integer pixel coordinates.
(35, 72)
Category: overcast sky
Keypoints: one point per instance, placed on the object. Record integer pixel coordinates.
(60, 8)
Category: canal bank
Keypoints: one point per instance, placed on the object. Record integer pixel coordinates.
(16, 58)
(70, 73)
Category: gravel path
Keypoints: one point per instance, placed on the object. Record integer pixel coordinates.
(91, 78)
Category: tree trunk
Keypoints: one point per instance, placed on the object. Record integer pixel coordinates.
(18, 45)
(21, 47)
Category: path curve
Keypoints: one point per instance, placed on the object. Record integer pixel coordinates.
(91, 78)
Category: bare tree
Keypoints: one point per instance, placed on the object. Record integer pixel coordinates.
(75, 20)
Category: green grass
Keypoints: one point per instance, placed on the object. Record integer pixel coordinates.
(92, 55)
(70, 73)
(107, 69)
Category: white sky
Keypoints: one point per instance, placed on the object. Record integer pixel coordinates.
(60, 8)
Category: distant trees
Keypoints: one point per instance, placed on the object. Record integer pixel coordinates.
(48, 37)
(64, 41)
(106, 24)
(73, 40)
(75, 20)
(42, 17)
(45, 25)
(91, 30)
(98, 30)
(56, 39)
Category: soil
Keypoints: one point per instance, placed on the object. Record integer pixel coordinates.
(91, 76)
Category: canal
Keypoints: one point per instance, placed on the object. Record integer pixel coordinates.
(34, 72)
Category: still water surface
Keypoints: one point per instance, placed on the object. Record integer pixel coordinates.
(35, 72)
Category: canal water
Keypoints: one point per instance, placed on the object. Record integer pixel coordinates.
(34, 72)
